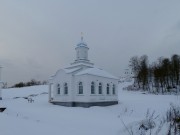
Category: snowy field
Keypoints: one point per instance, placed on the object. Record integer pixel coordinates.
(43, 118)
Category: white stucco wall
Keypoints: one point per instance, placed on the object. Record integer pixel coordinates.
(81, 97)
(62, 78)
(73, 88)
(88, 97)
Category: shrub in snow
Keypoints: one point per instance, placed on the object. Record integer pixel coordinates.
(148, 123)
(173, 118)
(145, 127)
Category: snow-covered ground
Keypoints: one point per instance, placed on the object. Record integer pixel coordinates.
(43, 118)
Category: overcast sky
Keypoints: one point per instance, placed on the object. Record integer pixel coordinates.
(37, 37)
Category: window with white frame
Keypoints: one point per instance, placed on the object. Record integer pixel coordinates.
(58, 88)
(100, 88)
(107, 89)
(92, 88)
(65, 88)
(114, 89)
(80, 88)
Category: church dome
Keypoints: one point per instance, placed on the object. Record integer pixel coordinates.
(81, 43)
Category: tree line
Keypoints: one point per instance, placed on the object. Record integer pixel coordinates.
(163, 75)
(29, 83)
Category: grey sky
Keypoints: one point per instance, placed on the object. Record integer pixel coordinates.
(38, 37)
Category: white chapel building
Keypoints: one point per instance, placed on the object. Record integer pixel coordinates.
(82, 83)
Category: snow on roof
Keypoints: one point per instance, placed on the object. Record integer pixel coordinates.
(71, 70)
(97, 72)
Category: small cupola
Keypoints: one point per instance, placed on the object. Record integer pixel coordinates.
(82, 54)
(82, 50)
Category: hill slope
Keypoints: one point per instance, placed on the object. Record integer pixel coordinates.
(43, 118)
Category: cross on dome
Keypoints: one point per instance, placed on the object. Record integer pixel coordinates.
(82, 43)
(81, 36)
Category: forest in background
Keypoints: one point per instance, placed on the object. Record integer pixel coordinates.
(161, 76)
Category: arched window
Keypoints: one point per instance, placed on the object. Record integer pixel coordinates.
(100, 88)
(114, 89)
(65, 89)
(107, 89)
(80, 88)
(58, 89)
(92, 88)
